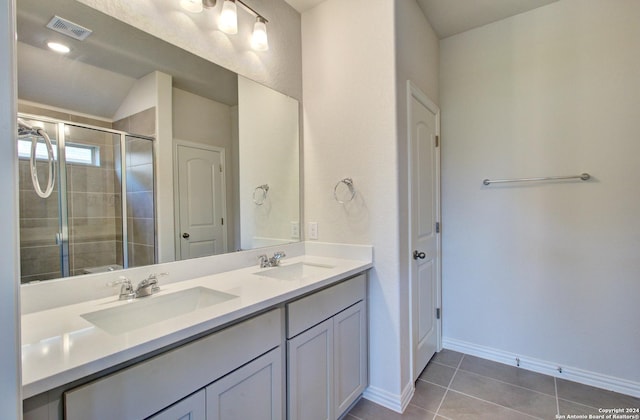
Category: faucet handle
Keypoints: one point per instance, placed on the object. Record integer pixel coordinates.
(264, 260)
(126, 290)
(279, 254)
(152, 280)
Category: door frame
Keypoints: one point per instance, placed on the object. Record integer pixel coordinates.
(414, 92)
(176, 194)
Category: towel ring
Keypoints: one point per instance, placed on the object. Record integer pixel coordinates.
(352, 191)
(260, 194)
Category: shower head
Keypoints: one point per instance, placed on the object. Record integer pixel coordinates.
(25, 129)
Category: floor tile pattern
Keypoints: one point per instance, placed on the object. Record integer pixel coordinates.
(457, 386)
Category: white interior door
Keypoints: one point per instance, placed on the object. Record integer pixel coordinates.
(424, 178)
(201, 202)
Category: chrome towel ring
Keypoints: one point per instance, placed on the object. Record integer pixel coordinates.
(348, 196)
(260, 194)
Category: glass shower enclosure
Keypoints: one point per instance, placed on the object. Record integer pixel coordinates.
(100, 215)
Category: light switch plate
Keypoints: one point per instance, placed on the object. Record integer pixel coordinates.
(295, 230)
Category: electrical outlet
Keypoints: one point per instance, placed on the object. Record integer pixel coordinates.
(313, 230)
(295, 230)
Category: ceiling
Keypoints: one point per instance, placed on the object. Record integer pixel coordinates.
(107, 63)
(450, 17)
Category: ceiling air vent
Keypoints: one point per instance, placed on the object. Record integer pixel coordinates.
(68, 28)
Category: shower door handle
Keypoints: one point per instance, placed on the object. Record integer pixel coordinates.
(58, 238)
(185, 235)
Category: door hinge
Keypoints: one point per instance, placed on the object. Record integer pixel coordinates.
(437, 313)
(222, 221)
(437, 227)
(220, 168)
(437, 141)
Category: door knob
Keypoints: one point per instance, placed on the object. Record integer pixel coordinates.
(417, 254)
(185, 235)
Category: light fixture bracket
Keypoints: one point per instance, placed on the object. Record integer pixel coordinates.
(252, 10)
(209, 3)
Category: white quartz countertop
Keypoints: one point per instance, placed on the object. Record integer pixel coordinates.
(59, 346)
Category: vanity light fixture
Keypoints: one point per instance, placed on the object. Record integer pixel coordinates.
(228, 20)
(59, 48)
(259, 40)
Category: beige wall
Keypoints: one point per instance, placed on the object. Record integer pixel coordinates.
(350, 130)
(554, 91)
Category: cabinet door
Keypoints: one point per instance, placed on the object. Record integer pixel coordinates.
(191, 408)
(310, 373)
(252, 392)
(350, 356)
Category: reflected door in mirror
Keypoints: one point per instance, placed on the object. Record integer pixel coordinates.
(201, 195)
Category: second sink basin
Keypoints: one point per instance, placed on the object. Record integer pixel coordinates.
(145, 311)
(296, 271)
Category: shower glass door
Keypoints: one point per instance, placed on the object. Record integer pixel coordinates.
(93, 176)
(102, 174)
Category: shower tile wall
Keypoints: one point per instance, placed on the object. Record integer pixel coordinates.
(94, 203)
(39, 253)
(140, 196)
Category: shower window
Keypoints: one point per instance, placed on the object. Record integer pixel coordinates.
(75, 153)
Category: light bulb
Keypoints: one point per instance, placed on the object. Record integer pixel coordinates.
(229, 18)
(193, 6)
(259, 40)
(59, 48)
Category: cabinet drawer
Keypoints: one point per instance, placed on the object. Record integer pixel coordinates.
(147, 387)
(309, 311)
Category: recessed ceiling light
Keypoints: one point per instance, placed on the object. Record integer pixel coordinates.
(59, 48)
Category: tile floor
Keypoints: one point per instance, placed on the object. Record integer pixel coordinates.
(458, 386)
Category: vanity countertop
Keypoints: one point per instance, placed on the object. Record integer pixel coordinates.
(59, 346)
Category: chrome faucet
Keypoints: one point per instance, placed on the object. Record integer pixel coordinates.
(126, 290)
(273, 261)
(264, 261)
(146, 287)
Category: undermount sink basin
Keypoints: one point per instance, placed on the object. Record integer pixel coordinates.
(145, 311)
(296, 271)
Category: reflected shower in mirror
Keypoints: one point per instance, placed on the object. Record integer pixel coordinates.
(85, 225)
(193, 131)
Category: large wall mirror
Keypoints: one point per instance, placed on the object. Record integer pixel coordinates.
(103, 105)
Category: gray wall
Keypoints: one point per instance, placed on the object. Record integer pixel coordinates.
(554, 91)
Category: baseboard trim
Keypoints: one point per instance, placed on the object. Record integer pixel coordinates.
(394, 402)
(569, 373)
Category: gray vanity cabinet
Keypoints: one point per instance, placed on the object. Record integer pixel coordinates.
(252, 392)
(310, 373)
(241, 364)
(327, 351)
